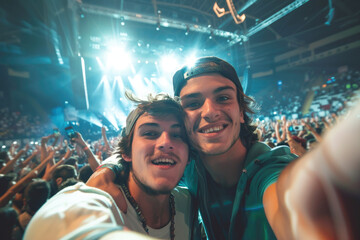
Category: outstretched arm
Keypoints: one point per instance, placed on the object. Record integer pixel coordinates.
(317, 196)
(51, 166)
(27, 160)
(4, 199)
(313, 132)
(92, 159)
(277, 132)
(104, 137)
(103, 178)
(10, 165)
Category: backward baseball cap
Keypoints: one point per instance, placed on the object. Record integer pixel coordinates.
(203, 66)
(169, 104)
(131, 120)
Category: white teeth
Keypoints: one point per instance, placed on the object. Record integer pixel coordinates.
(214, 129)
(163, 161)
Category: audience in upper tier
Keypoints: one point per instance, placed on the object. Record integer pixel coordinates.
(31, 173)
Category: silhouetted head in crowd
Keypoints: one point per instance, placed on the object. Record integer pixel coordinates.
(6, 181)
(73, 161)
(36, 194)
(68, 182)
(2, 163)
(85, 173)
(8, 221)
(4, 156)
(62, 173)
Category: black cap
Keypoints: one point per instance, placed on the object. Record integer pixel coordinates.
(203, 66)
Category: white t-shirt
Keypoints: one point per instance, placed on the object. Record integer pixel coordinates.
(79, 211)
(182, 207)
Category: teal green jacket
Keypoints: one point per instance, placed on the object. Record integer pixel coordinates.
(248, 221)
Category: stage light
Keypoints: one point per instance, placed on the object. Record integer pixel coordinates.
(118, 59)
(101, 65)
(110, 116)
(169, 63)
(190, 60)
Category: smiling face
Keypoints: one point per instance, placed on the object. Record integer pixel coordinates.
(159, 153)
(213, 113)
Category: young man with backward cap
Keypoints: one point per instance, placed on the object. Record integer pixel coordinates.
(153, 154)
(245, 190)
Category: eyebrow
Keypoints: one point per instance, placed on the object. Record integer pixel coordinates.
(191, 95)
(220, 89)
(175, 125)
(197, 94)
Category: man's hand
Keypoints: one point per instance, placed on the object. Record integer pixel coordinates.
(316, 196)
(79, 140)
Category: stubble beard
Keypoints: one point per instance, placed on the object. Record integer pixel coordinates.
(147, 189)
(220, 152)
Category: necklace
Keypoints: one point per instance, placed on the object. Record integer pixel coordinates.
(141, 217)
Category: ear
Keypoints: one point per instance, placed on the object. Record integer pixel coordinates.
(126, 158)
(242, 116)
(58, 181)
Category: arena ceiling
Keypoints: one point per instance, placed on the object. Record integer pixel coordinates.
(39, 40)
(46, 29)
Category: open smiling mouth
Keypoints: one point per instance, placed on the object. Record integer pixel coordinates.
(213, 129)
(163, 162)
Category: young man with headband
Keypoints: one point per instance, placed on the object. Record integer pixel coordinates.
(154, 152)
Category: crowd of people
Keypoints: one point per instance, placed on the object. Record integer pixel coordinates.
(243, 178)
(327, 92)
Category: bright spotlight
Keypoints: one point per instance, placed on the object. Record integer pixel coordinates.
(100, 63)
(169, 63)
(118, 59)
(190, 61)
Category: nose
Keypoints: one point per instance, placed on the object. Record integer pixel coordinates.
(165, 142)
(210, 111)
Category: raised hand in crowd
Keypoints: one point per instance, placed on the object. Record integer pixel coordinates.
(51, 166)
(28, 159)
(93, 161)
(5, 198)
(14, 148)
(43, 145)
(107, 147)
(313, 131)
(10, 165)
(277, 132)
(296, 147)
(283, 128)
